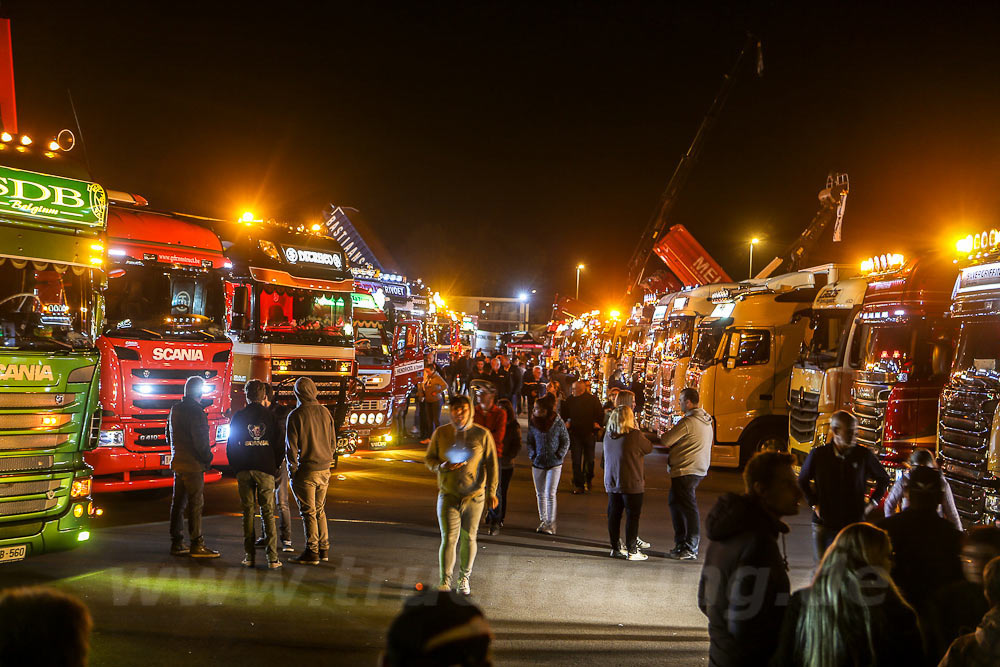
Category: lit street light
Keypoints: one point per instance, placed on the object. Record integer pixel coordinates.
(523, 298)
(754, 241)
(579, 268)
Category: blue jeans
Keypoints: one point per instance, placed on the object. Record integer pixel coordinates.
(684, 511)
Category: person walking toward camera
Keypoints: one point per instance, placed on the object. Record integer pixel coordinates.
(548, 442)
(430, 394)
(190, 457)
(310, 440)
(625, 448)
(255, 453)
(584, 417)
(464, 457)
(689, 447)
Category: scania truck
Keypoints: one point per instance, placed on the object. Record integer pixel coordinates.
(823, 375)
(904, 343)
(51, 279)
(968, 426)
(743, 360)
(165, 311)
(289, 314)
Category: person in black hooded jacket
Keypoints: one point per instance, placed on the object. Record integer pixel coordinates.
(745, 576)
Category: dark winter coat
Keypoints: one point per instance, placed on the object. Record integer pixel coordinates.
(547, 449)
(841, 484)
(187, 434)
(583, 412)
(979, 649)
(927, 550)
(895, 630)
(503, 381)
(624, 461)
(254, 442)
(511, 446)
(744, 582)
(309, 431)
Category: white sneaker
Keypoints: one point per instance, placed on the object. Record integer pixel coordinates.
(637, 555)
(642, 544)
(541, 528)
(464, 587)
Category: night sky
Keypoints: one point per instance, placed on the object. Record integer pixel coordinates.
(493, 146)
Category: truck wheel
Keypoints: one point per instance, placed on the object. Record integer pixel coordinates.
(762, 440)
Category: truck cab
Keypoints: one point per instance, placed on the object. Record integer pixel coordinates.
(165, 308)
(968, 427)
(390, 358)
(289, 314)
(685, 311)
(905, 342)
(743, 360)
(823, 375)
(51, 310)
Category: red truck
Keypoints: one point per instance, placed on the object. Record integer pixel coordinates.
(902, 345)
(165, 305)
(389, 351)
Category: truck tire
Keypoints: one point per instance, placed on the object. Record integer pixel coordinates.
(761, 438)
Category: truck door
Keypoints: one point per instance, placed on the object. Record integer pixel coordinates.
(744, 386)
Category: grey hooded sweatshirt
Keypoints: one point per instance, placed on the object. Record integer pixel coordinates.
(309, 431)
(689, 444)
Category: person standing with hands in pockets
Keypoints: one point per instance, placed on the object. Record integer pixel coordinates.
(464, 457)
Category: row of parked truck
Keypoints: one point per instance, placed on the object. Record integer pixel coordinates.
(106, 308)
(910, 346)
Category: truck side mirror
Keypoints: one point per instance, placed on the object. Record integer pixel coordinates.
(238, 323)
(730, 362)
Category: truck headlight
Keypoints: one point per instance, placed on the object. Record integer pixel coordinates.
(354, 417)
(115, 438)
(81, 487)
(993, 504)
(363, 419)
(379, 418)
(222, 432)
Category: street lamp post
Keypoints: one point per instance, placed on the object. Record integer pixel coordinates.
(754, 241)
(523, 298)
(579, 268)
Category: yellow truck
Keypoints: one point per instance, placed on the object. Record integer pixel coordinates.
(742, 363)
(824, 373)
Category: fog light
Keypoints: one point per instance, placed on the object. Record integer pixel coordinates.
(77, 511)
(83, 536)
(379, 418)
(354, 418)
(388, 437)
(80, 488)
(144, 389)
(363, 419)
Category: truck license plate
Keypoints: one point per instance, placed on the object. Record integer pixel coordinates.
(165, 460)
(13, 553)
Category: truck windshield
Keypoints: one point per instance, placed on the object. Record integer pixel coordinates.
(978, 349)
(680, 332)
(829, 328)
(152, 302)
(708, 343)
(909, 349)
(45, 306)
(371, 344)
(303, 316)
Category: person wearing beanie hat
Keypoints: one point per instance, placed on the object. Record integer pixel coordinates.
(438, 628)
(310, 439)
(464, 457)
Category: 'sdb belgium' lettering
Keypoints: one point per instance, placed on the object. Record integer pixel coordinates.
(21, 372)
(177, 354)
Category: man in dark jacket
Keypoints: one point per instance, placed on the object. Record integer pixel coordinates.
(282, 489)
(255, 453)
(834, 479)
(516, 378)
(533, 388)
(500, 377)
(744, 583)
(311, 439)
(927, 546)
(584, 417)
(190, 457)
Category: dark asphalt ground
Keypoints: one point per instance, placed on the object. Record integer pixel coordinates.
(555, 600)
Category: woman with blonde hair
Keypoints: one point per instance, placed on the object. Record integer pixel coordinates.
(853, 613)
(624, 479)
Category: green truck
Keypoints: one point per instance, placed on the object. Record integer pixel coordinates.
(51, 307)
